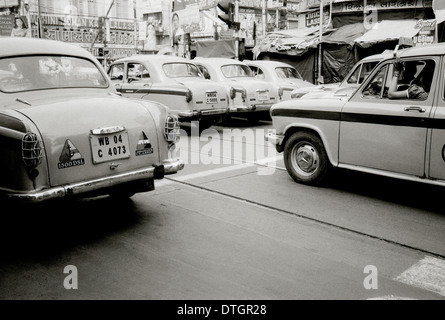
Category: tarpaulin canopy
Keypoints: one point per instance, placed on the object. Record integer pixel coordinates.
(216, 48)
(346, 34)
(295, 42)
(388, 30)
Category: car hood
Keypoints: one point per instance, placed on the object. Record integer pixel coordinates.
(339, 93)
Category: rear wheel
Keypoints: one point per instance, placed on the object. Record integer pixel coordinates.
(306, 159)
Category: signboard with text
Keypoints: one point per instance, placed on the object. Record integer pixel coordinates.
(6, 25)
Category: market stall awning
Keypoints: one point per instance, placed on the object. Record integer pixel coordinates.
(388, 30)
(346, 34)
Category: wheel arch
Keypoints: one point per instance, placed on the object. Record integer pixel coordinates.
(331, 150)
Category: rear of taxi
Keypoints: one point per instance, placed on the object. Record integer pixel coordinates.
(75, 139)
(247, 95)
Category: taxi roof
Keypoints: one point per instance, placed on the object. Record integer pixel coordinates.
(432, 49)
(154, 58)
(218, 61)
(272, 63)
(19, 46)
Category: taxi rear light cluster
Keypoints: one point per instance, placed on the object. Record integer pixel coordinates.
(172, 131)
(232, 93)
(32, 152)
(280, 92)
(188, 95)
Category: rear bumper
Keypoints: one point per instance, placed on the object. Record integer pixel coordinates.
(169, 166)
(252, 108)
(197, 114)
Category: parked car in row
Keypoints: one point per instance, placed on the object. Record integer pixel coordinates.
(248, 96)
(374, 130)
(284, 77)
(65, 131)
(348, 85)
(174, 81)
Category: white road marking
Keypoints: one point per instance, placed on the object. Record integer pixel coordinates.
(428, 274)
(390, 297)
(201, 174)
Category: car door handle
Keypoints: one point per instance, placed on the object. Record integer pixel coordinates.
(412, 108)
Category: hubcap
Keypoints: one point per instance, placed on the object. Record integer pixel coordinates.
(305, 159)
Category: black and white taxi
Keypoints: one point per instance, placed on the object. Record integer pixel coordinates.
(65, 132)
(248, 96)
(173, 81)
(367, 131)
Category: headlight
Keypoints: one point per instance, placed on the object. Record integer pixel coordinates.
(32, 152)
(172, 131)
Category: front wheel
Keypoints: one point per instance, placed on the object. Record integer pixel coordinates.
(306, 159)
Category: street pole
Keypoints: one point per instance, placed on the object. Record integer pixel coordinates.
(320, 77)
(135, 26)
(237, 32)
(101, 31)
(263, 16)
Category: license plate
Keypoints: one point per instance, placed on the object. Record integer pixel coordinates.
(211, 98)
(108, 147)
(263, 96)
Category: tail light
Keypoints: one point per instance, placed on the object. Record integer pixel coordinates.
(32, 152)
(244, 94)
(188, 95)
(232, 93)
(280, 92)
(172, 131)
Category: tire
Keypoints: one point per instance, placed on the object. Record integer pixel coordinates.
(306, 159)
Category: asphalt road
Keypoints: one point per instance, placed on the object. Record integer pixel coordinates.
(232, 225)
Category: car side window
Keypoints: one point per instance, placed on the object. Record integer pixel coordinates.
(137, 72)
(204, 71)
(414, 81)
(366, 70)
(355, 75)
(116, 72)
(377, 87)
(260, 74)
(254, 70)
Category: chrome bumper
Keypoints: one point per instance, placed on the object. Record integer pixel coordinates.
(275, 139)
(252, 108)
(200, 113)
(169, 166)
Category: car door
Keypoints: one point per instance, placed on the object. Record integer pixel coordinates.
(384, 134)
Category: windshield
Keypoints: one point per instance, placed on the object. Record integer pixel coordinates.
(48, 72)
(181, 69)
(287, 73)
(236, 70)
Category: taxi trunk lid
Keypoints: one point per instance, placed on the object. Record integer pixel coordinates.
(92, 136)
(206, 94)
